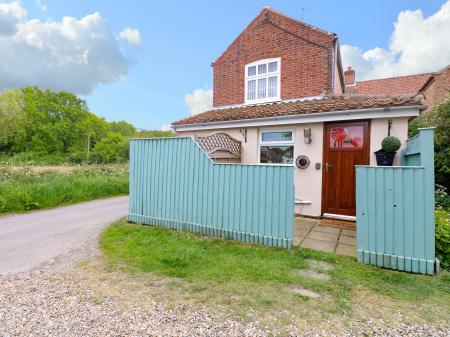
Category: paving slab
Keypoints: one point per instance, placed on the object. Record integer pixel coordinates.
(304, 226)
(319, 265)
(300, 235)
(305, 292)
(347, 240)
(346, 250)
(348, 232)
(326, 229)
(313, 274)
(330, 237)
(319, 245)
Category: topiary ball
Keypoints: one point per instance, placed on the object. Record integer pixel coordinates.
(390, 144)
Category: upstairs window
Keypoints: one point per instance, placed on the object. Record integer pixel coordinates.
(262, 81)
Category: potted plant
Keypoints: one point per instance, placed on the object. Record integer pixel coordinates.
(389, 146)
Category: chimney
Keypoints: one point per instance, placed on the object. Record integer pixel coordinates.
(349, 76)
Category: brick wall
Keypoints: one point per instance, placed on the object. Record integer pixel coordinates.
(306, 58)
(438, 90)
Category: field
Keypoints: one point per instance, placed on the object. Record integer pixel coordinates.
(25, 188)
(260, 283)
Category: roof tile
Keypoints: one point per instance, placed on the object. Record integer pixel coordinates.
(300, 107)
(402, 85)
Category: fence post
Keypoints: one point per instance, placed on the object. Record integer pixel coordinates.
(427, 161)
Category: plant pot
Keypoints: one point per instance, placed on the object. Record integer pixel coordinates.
(384, 158)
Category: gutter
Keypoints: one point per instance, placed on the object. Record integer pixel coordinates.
(386, 112)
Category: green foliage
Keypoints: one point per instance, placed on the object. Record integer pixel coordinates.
(154, 134)
(442, 199)
(12, 132)
(112, 148)
(438, 117)
(43, 126)
(27, 188)
(443, 238)
(390, 144)
(124, 128)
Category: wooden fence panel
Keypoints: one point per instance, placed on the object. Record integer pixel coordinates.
(174, 184)
(395, 210)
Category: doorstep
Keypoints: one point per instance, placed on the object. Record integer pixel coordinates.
(334, 220)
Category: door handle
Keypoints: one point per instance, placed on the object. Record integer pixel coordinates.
(327, 166)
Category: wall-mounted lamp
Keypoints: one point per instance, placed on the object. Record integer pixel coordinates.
(244, 134)
(307, 135)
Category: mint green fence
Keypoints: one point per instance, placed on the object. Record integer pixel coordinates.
(395, 210)
(174, 184)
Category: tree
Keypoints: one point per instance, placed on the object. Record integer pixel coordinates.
(124, 128)
(58, 126)
(112, 148)
(439, 117)
(12, 132)
(154, 134)
(54, 120)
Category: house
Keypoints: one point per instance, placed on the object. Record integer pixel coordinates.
(433, 86)
(279, 89)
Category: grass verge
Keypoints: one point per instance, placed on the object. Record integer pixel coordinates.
(255, 280)
(28, 188)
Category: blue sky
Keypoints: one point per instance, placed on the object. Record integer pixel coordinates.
(180, 39)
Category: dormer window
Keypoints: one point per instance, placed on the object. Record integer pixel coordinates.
(262, 81)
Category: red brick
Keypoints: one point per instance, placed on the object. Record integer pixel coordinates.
(306, 58)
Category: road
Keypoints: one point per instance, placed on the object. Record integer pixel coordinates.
(29, 240)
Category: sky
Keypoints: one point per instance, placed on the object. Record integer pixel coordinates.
(149, 62)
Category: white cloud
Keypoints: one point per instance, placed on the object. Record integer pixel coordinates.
(199, 101)
(41, 6)
(11, 14)
(417, 45)
(132, 36)
(71, 54)
(166, 127)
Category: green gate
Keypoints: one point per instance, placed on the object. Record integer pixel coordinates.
(395, 210)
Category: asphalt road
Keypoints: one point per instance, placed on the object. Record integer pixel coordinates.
(29, 240)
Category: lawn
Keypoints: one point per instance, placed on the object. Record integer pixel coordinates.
(257, 282)
(24, 188)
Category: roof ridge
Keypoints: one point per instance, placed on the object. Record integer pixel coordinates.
(298, 21)
(268, 8)
(402, 76)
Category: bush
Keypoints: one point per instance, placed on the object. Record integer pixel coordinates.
(111, 149)
(442, 198)
(443, 238)
(439, 117)
(390, 144)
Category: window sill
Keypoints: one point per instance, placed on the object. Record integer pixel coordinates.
(258, 102)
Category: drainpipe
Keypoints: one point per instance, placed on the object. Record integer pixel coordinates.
(333, 72)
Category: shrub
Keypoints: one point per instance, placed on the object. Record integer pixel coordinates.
(112, 148)
(442, 198)
(443, 238)
(390, 144)
(439, 117)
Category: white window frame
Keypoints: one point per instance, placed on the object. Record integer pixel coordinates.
(266, 76)
(275, 143)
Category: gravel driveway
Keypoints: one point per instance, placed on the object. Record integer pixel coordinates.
(28, 240)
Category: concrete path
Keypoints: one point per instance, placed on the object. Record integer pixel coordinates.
(28, 240)
(310, 233)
